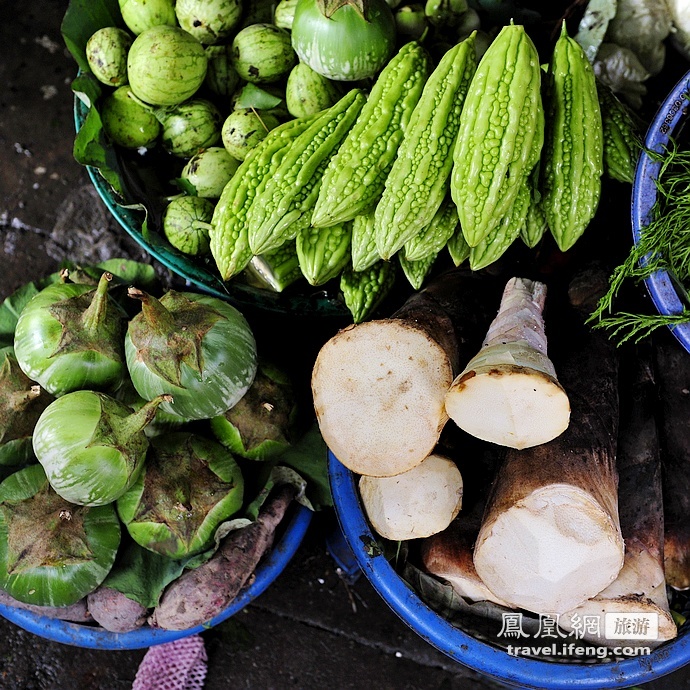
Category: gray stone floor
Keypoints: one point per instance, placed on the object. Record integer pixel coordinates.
(310, 630)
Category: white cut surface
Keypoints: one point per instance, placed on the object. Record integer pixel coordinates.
(415, 504)
(510, 406)
(379, 390)
(550, 551)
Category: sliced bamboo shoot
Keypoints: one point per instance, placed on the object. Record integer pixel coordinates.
(508, 393)
(640, 586)
(414, 504)
(550, 537)
(379, 387)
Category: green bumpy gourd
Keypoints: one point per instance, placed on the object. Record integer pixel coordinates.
(276, 270)
(417, 182)
(323, 252)
(416, 271)
(457, 247)
(356, 174)
(573, 148)
(622, 144)
(363, 249)
(502, 236)
(364, 291)
(501, 133)
(433, 238)
(535, 225)
(290, 193)
(229, 234)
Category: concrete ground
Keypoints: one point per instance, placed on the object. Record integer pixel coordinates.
(310, 630)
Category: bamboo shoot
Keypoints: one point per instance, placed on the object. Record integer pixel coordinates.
(639, 591)
(509, 393)
(550, 536)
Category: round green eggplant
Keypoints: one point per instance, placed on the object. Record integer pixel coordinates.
(209, 171)
(244, 128)
(211, 21)
(69, 337)
(52, 552)
(126, 122)
(186, 224)
(92, 446)
(195, 347)
(262, 53)
(188, 486)
(189, 127)
(106, 53)
(166, 65)
(140, 15)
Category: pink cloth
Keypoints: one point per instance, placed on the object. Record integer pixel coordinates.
(177, 665)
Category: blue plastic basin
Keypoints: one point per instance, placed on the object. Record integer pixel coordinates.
(666, 122)
(480, 656)
(95, 637)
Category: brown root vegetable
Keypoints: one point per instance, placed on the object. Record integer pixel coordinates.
(448, 555)
(202, 593)
(379, 386)
(550, 536)
(114, 611)
(673, 375)
(413, 504)
(640, 585)
(75, 613)
(512, 376)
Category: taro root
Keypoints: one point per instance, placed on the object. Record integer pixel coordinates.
(260, 425)
(188, 486)
(21, 403)
(166, 65)
(210, 21)
(189, 127)
(52, 553)
(198, 348)
(69, 336)
(186, 224)
(128, 123)
(92, 446)
(106, 53)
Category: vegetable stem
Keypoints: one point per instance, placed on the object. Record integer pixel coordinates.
(96, 312)
(158, 318)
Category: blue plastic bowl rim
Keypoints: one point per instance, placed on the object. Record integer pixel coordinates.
(95, 637)
(644, 194)
(467, 650)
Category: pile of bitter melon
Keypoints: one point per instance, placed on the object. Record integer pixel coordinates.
(468, 155)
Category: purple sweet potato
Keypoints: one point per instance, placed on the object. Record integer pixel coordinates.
(201, 594)
(114, 611)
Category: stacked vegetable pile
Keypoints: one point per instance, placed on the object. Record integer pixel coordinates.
(138, 450)
(511, 479)
(298, 166)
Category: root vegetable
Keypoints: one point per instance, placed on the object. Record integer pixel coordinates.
(379, 386)
(114, 611)
(413, 504)
(200, 594)
(640, 585)
(512, 377)
(550, 537)
(673, 374)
